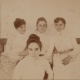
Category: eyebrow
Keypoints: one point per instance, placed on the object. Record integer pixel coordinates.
(36, 48)
(30, 48)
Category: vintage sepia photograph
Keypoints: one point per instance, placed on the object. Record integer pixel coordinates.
(39, 39)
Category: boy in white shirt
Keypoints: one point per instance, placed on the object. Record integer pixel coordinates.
(67, 49)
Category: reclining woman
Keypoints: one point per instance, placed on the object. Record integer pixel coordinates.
(15, 46)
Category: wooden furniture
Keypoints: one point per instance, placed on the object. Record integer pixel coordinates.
(2, 44)
(78, 40)
(4, 40)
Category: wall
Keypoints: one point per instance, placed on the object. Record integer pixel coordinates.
(30, 10)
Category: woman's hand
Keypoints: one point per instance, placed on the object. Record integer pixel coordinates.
(66, 60)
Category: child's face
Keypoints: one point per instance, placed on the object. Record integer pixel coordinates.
(22, 29)
(34, 50)
(59, 26)
(42, 26)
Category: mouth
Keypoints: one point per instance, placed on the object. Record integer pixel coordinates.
(58, 29)
(23, 32)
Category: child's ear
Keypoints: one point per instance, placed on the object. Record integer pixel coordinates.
(64, 27)
(54, 24)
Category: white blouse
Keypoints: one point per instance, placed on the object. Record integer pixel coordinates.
(16, 44)
(28, 68)
(63, 41)
(45, 39)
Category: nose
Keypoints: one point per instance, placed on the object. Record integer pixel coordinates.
(24, 28)
(58, 25)
(34, 51)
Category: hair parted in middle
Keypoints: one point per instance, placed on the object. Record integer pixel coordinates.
(41, 19)
(34, 38)
(56, 20)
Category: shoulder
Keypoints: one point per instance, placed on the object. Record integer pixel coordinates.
(29, 31)
(52, 40)
(43, 61)
(23, 61)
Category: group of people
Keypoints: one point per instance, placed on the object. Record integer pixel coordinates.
(35, 55)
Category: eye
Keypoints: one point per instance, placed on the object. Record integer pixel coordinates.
(44, 25)
(30, 49)
(40, 25)
(36, 49)
(56, 24)
(61, 24)
(21, 27)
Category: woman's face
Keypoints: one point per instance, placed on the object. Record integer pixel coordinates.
(34, 49)
(59, 26)
(41, 27)
(22, 29)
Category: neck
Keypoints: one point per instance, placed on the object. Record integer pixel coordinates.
(41, 32)
(35, 58)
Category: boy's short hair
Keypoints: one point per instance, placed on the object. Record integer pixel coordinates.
(59, 19)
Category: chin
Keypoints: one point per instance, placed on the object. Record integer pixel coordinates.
(59, 30)
(42, 32)
(22, 32)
